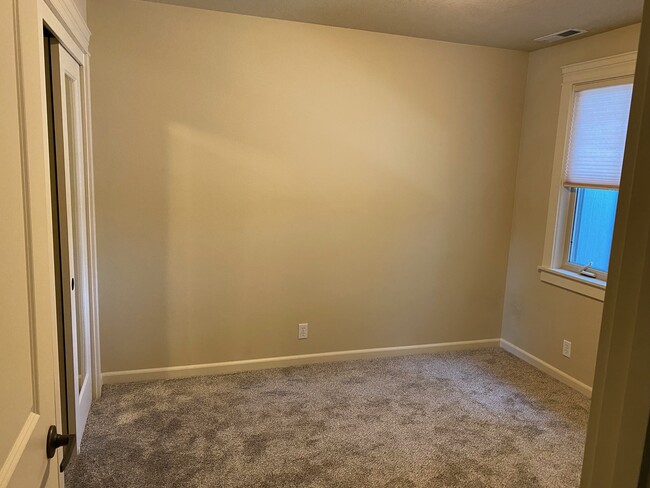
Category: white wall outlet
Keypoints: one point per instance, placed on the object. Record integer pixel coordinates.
(566, 348)
(303, 331)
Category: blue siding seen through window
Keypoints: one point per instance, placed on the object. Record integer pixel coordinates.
(593, 227)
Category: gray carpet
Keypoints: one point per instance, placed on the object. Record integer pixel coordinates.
(463, 419)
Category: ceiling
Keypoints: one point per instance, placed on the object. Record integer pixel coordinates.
(509, 24)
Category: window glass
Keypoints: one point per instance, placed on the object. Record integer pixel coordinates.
(593, 227)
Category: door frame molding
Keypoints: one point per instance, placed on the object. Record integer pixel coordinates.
(63, 19)
(66, 22)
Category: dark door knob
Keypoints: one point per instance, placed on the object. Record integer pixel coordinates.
(55, 440)
(72, 284)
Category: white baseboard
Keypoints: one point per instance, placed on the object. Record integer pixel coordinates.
(547, 368)
(113, 377)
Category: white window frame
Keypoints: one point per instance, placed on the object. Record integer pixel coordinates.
(555, 268)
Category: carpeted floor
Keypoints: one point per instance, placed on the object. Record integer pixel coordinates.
(463, 419)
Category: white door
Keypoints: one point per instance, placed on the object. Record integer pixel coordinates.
(70, 167)
(28, 367)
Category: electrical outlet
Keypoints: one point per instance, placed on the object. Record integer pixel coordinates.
(303, 331)
(566, 348)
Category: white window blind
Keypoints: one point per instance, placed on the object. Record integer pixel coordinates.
(597, 137)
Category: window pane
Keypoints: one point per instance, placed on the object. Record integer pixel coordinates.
(593, 227)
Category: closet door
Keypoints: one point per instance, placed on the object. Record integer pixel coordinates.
(70, 178)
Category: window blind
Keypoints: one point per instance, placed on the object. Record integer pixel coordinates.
(597, 137)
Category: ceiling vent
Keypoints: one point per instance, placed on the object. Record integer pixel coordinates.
(558, 36)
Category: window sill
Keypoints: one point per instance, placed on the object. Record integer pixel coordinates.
(574, 282)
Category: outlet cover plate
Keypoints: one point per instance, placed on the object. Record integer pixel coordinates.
(303, 331)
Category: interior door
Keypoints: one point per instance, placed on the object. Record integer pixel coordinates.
(70, 177)
(28, 384)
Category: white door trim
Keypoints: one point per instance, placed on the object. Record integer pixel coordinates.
(66, 22)
(66, 14)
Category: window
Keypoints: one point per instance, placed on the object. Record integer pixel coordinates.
(597, 132)
(594, 114)
(593, 228)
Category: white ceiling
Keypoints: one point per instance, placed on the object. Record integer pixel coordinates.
(500, 23)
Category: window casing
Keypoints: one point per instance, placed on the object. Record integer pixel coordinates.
(571, 185)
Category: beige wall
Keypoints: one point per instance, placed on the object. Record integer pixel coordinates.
(538, 316)
(252, 174)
